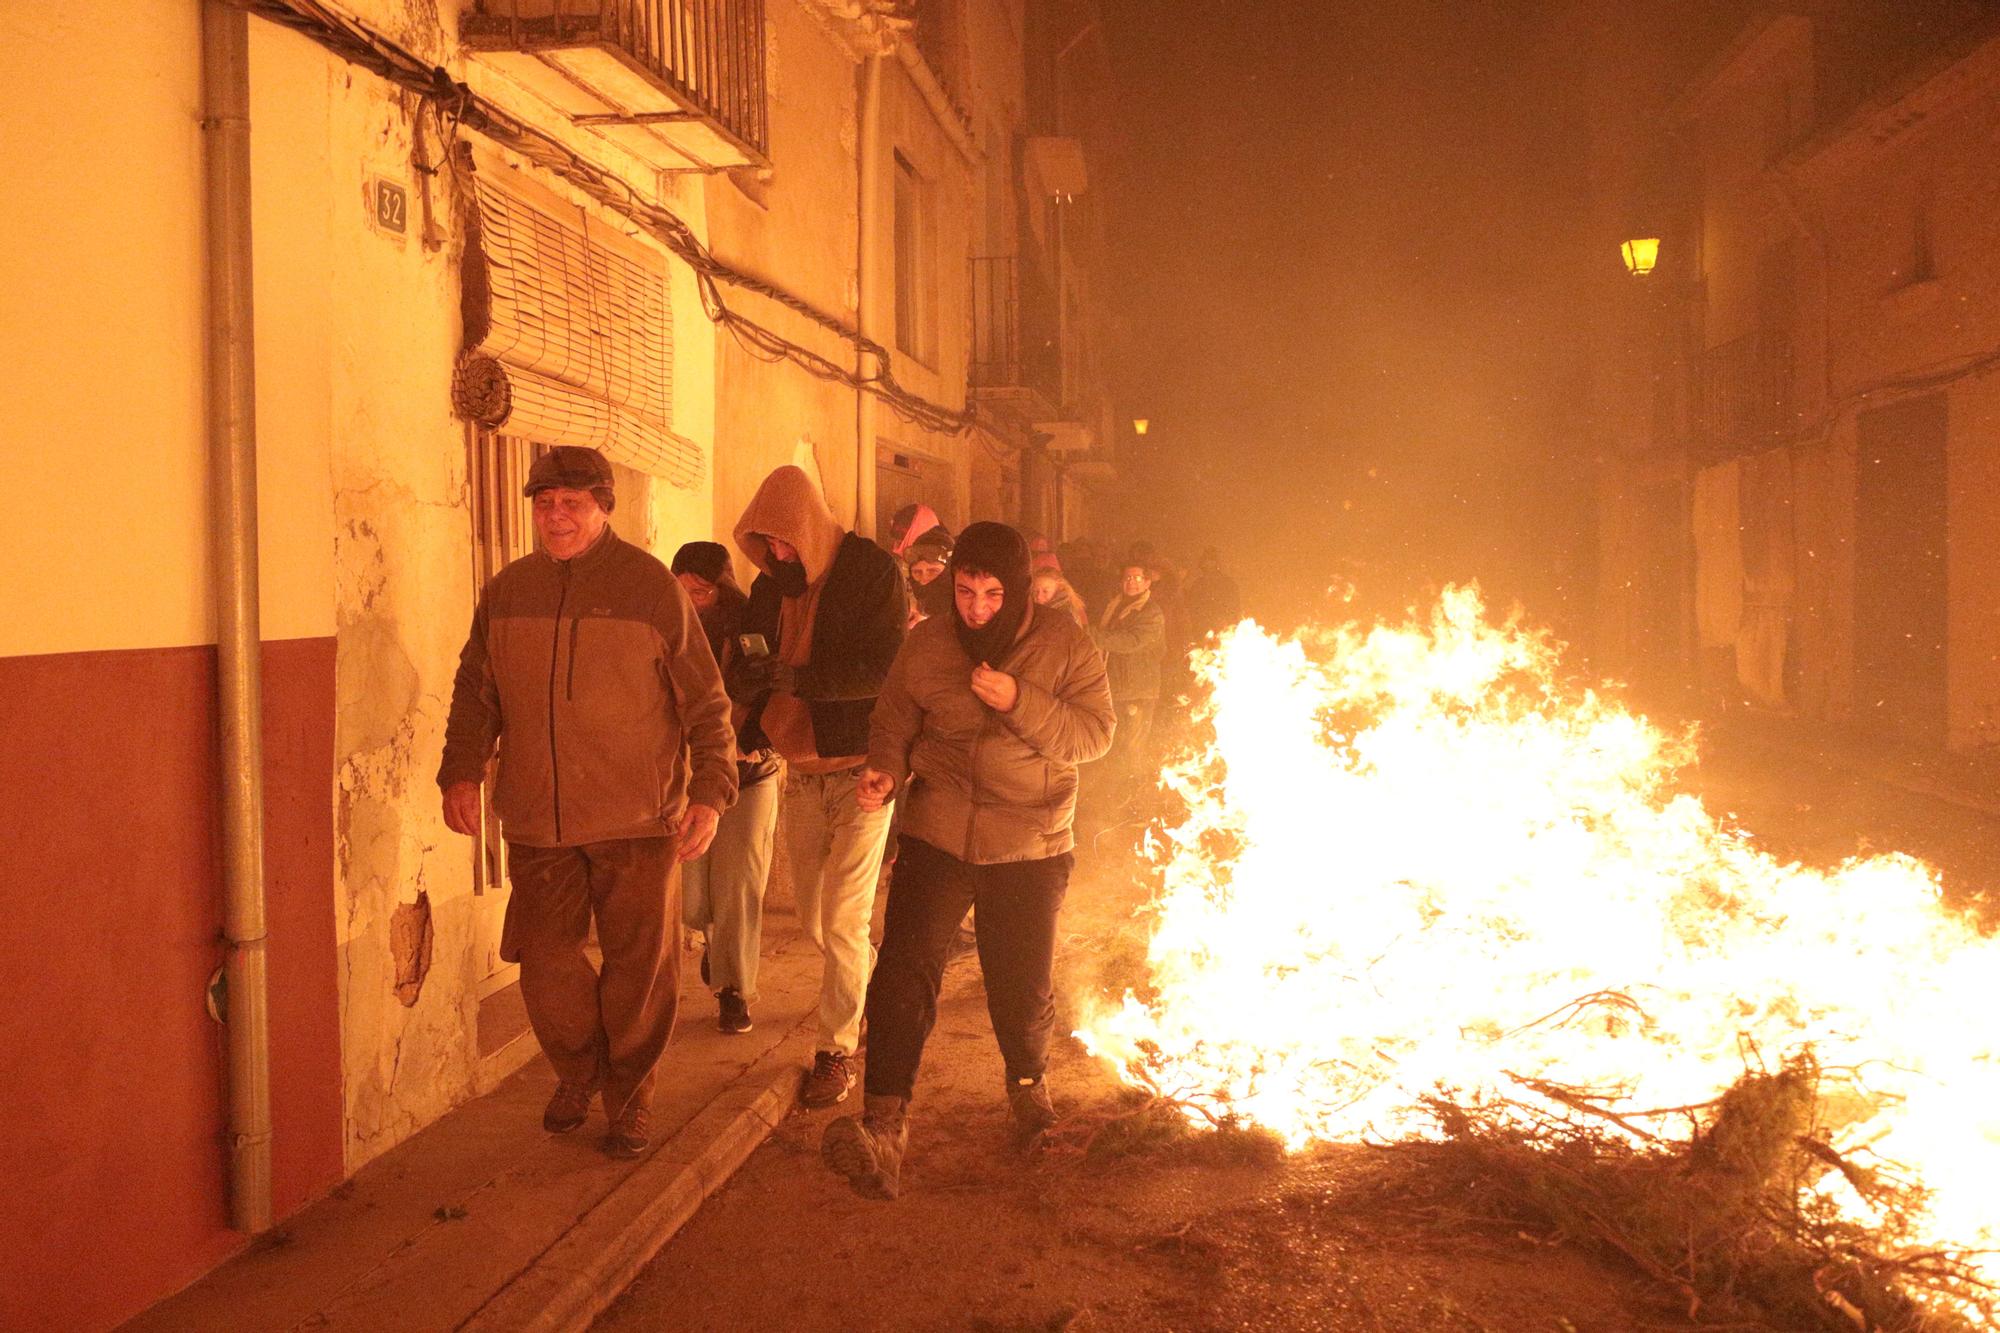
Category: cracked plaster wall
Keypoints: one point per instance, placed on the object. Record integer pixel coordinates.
(384, 321)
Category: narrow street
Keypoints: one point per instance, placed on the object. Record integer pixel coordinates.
(1200, 1231)
(521, 485)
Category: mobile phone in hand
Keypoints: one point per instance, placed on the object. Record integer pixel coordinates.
(753, 645)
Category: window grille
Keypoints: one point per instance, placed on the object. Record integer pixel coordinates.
(567, 340)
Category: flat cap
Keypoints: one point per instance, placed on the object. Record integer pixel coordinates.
(569, 466)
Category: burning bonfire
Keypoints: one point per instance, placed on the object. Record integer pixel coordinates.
(1423, 891)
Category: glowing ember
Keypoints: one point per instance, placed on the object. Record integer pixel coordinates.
(1412, 863)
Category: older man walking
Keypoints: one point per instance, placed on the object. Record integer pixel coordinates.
(587, 664)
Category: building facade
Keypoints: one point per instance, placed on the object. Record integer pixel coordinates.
(705, 238)
(1797, 512)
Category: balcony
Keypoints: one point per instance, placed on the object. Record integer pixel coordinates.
(678, 83)
(1746, 393)
(1016, 337)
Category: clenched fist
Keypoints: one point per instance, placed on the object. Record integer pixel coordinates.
(996, 689)
(872, 790)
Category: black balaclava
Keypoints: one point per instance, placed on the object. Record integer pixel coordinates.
(789, 575)
(997, 551)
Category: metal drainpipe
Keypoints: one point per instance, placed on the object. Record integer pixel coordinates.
(867, 264)
(232, 437)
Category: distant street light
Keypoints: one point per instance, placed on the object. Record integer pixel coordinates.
(1641, 254)
(1139, 425)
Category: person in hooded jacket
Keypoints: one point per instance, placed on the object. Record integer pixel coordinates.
(978, 732)
(828, 611)
(722, 892)
(925, 557)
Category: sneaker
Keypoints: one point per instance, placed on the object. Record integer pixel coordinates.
(735, 1015)
(568, 1108)
(868, 1148)
(1033, 1112)
(828, 1081)
(631, 1133)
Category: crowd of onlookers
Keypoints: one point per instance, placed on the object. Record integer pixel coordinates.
(649, 720)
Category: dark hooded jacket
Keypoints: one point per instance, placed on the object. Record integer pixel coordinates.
(858, 610)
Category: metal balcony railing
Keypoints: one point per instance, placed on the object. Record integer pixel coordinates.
(1016, 329)
(708, 53)
(1746, 391)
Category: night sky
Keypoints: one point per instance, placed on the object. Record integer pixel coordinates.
(1334, 272)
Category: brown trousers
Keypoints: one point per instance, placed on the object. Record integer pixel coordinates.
(604, 1030)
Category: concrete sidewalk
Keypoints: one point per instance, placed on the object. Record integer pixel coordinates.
(484, 1221)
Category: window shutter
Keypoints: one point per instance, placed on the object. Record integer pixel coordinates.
(566, 340)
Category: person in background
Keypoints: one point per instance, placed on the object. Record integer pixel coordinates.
(1132, 635)
(722, 894)
(909, 523)
(979, 730)
(606, 785)
(1052, 590)
(925, 557)
(830, 608)
(1213, 604)
(1089, 572)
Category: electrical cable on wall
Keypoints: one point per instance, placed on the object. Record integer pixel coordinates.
(454, 105)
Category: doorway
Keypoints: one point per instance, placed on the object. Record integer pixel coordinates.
(1900, 593)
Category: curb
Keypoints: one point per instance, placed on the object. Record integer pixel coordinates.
(577, 1278)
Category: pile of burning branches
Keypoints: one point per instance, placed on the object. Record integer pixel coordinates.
(1726, 1216)
(1725, 1220)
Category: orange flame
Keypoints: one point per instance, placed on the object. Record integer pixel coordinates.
(1410, 863)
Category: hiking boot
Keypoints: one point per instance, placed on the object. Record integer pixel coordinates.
(735, 1015)
(568, 1108)
(868, 1148)
(828, 1081)
(1028, 1101)
(631, 1133)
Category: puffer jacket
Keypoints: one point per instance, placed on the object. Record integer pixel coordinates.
(991, 787)
(594, 677)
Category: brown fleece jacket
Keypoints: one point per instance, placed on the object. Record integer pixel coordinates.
(595, 678)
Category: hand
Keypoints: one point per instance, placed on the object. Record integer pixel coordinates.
(697, 830)
(461, 808)
(996, 689)
(749, 677)
(873, 790)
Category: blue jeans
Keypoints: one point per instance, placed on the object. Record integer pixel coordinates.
(722, 893)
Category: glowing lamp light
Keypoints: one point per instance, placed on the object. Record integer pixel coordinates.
(1641, 254)
(1139, 425)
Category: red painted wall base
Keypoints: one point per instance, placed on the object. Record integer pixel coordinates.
(111, 1127)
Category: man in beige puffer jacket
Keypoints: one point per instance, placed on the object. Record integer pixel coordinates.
(978, 731)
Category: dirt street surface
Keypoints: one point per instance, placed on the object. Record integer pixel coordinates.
(1195, 1232)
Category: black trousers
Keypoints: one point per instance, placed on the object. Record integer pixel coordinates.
(1017, 904)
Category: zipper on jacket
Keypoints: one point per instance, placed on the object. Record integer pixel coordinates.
(555, 659)
(569, 679)
(972, 785)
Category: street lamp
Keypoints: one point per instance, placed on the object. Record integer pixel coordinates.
(1641, 253)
